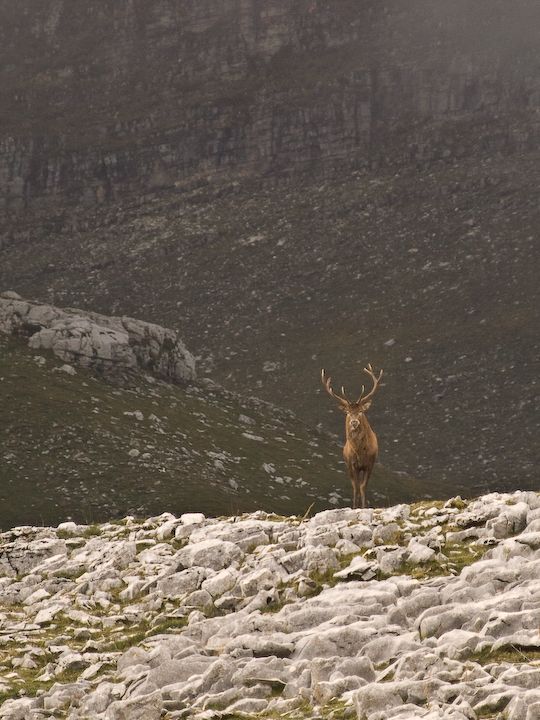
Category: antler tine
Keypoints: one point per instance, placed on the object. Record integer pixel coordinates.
(376, 381)
(326, 381)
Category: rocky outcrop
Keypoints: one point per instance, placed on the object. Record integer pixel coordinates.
(110, 345)
(424, 611)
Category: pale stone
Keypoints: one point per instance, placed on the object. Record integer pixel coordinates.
(68, 527)
(213, 554)
(192, 518)
(322, 535)
(221, 582)
(386, 534)
(37, 596)
(359, 534)
(47, 614)
(253, 582)
(181, 583)
(138, 708)
(419, 554)
(358, 567)
(92, 340)
(375, 698)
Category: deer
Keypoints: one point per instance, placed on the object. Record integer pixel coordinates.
(361, 448)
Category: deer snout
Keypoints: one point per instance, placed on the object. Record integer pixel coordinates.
(355, 423)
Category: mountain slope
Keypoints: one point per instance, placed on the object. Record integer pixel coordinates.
(296, 184)
(431, 275)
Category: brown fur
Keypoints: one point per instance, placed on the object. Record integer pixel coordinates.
(361, 448)
(360, 453)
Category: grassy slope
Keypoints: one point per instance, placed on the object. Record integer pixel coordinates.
(269, 284)
(65, 443)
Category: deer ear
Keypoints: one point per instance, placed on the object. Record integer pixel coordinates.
(366, 406)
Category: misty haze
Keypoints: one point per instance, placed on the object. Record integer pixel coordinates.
(206, 208)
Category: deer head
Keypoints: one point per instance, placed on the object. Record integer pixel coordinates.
(353, 409)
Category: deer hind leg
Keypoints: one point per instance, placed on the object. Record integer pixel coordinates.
(353, 474)
(363, 478)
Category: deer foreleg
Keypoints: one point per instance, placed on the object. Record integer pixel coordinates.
(354, 494)
(353, 475)
(362, 489)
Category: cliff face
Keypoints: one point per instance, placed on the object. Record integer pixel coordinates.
(303, 184)
(101, 99)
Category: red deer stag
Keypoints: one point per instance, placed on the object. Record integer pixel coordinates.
(361, 448)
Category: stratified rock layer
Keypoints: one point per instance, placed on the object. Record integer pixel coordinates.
(107, 344)
(425, 611)
(102, 99)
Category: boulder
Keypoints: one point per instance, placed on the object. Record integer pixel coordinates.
(181, 583)
(148, 707)
(18, 558)
(213, 554)
(375, 700)
(107, 344)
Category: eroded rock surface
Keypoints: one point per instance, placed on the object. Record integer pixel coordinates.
(345, 614)
(107, 344)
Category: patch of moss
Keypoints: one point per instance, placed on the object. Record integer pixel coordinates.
(507, 653)
(92, 531)
(140, 632)
(125, 641)
(9, 695)
(27, 684)
(458, 502)
(142, 545)
(278, 518)
(274, 607)
(462, 554)
(456, 557)
(334, 710)
(338, 710)
(426, 505)
(171, 624)
(65, 534)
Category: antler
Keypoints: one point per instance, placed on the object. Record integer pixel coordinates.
(376, 381)
(326, 382)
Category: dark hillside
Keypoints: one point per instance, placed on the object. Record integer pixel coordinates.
(75, 446)
(295, 184)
